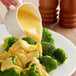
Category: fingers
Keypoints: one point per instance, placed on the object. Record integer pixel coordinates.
(14, 2)
(8, 3)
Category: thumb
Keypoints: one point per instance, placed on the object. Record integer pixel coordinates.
(14, 2)
(6, 3)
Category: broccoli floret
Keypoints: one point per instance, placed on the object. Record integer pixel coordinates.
(49, 62)
(40, 55)
(47, 36)
(14, 60)
(60, 55)
(8, 42)
(31, 72)
(29, 40)
(0, 64)
(10, 72)
(48, 49)
(27, 65)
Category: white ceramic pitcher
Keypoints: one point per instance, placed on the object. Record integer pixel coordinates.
(11, 20)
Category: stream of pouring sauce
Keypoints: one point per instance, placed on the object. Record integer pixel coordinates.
(30, 23)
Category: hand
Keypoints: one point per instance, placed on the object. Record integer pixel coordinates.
(8, 3)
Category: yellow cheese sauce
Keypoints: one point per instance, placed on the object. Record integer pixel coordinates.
(29, 19)
(40, 68)
(30, 23)
(7, 64)
(22, 46)
(24, 51)
(4, 55)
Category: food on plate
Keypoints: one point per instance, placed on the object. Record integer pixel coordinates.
(60, 55)
(49, 63)
(25, 56)
(48, 48)
(47, 37)
(31, 71)
(29, 40)
(10, 72)
(8, 42)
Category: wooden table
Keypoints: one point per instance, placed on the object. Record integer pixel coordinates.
(69, 33)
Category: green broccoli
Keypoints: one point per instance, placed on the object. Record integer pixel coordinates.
(49, 62)
(56, 53)
(8, 42)
(0, 64)
(31, 72)
(10, 72)
(48, 49)
(60, 55)
(47, 36)
(14, 60)
(29, 40)
(27, 65)
(40, 55)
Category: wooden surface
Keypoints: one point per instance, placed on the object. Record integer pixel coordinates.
(68, 33)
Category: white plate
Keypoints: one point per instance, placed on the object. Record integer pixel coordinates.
(63, 70)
